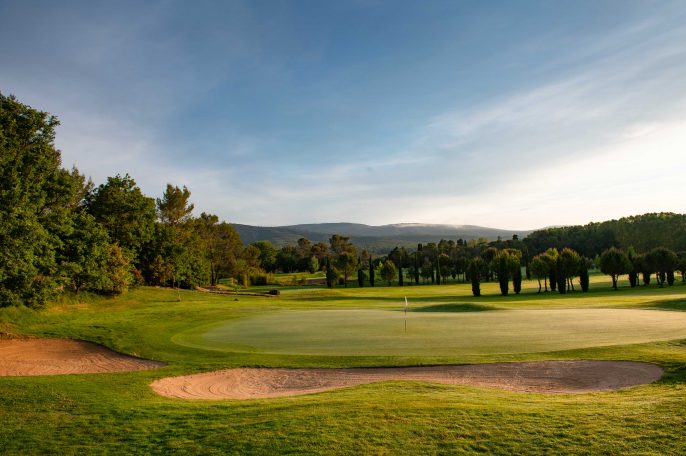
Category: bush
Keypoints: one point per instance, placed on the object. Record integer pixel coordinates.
(274, 292)
(262, 278)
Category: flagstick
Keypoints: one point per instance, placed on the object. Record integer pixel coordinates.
(405, 313)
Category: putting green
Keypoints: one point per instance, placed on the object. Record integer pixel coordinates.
(382, 332)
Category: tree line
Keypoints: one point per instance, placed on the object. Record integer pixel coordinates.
(60, 232)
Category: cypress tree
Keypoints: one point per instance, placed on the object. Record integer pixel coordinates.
(517, 280)
(503, 273)
(438, 268)
(583, 277)
(474, 273)
(417, 255)
(561, 279)
(371, 272)
(360, 278)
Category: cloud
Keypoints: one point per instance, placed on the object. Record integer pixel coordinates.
(231, 109)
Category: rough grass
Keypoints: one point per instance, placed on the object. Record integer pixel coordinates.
(118, 413)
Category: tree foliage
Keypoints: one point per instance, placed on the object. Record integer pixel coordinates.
(614, 262)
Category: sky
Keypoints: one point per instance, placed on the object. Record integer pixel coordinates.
(513, 114)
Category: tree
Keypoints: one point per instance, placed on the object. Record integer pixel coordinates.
(360, 278)
(37, 203)
(312, 265)
(83, 255)
(474, 271)
(346, 262)
(614, 262)
(560, 276)
(220, 244)
(584, 279)
(635, 260)
(663, 262)
(303, 250)
(681, 265)
(371, 272)
(287, 259)
(501, 264)
(550, 257)
(174, 207)
(388, 271)
(118, 276)
(399, 257)
(331, 273)
(267, 255)
(127, 215)
(517, 281)
(320, 251)
(345, 254)
(569, 265)
(539, 268)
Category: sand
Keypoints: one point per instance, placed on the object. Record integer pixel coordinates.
(29, 357)
(553, 377)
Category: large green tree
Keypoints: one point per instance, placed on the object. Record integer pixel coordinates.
(539, 268)
(84, 255)
(125, 212)
(174, 207)
(221, 246)
(345, 255)
(663, 262)
(614, 262)
(38, 199)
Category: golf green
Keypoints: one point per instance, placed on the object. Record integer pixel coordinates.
(392, 333)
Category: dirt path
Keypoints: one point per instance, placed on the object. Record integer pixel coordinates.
(540, 377)
(20, 357)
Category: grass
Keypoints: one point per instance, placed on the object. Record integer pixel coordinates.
(351, 332)
(118, 413)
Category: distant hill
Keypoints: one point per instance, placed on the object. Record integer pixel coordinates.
(377, 239)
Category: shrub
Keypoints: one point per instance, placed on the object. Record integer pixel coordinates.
(262, 278)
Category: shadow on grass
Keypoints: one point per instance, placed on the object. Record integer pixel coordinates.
(678, 305)
(454, 307)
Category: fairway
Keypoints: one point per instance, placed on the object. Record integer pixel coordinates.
(382, 332)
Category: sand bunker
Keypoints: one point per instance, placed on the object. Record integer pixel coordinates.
(19, 357)
(540, 377)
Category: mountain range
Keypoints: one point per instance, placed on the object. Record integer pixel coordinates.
(377, 239)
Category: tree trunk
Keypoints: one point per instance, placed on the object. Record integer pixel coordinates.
(539, 285)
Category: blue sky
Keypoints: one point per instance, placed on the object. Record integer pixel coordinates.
(514, 114)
